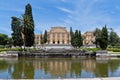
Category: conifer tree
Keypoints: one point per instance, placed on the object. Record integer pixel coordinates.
(28, 24)
(72, 36)
(17, 29)
(114, 39)
(97, 34)
(45, 36)
(80, 41)
(76, 39)
(71, 32)
(104, 38)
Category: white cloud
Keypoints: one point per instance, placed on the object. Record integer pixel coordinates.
(86, 16)
(68, 21)
(65, 10)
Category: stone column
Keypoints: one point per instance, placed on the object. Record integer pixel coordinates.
(51, 37)
(39, 40)
(60, 38)
(55, 38)
(65, 38)
(69, 39)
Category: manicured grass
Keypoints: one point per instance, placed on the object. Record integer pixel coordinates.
(90, 49)
(111, 52)
(10, 49)
(114, 49)
(14, 49)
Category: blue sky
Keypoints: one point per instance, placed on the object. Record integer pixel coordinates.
(84, 15)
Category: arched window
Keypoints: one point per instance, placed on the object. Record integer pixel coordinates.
(58, 42)
(53, 42)
(63, 42)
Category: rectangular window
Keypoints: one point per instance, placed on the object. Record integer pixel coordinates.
(62, 35)
(58, 35)
(53, 35)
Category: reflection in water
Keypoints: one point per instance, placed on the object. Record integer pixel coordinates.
(89, 65)
(58, 68)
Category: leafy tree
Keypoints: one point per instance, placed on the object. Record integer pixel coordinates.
(45, 36)
(71, 32)
(72, 36)
(76, 39)
(41, 40)
(17, 29)
(10, 42)
(104, 38)
(73, 39)
(114, 39)
(97, 34)
(28, 24)
(80, 40)
(3, 39)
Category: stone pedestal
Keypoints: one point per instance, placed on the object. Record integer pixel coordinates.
(101, 53)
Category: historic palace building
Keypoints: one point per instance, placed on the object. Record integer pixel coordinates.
(88, 38)
(60, 35)
(38, 39)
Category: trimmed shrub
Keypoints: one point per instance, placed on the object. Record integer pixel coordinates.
(114, 49)
(2, 46)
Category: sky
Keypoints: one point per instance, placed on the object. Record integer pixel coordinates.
(84, 15)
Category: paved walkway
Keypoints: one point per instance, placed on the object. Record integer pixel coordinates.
(111, 78)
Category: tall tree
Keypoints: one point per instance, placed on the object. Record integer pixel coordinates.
(97, 34)
(17, 29)
(71, 32)
(3, 39)
(10, 42)
(41, 39)
(76, 39)
(28, 24)
(72, 36)
(73, 39)
(80, 40)
(104, 38)
(45, 36)
(114, 39)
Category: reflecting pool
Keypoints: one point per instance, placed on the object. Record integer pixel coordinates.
(47, 68)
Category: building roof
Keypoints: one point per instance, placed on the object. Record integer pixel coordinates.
(58, 29)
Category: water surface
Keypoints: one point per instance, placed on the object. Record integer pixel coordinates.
(39, 68)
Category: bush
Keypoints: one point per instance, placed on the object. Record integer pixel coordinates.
(114, 49)
(91, 49)
(10, 49)
(2, 46)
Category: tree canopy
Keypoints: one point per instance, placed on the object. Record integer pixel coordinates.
(76, 39)
(104, 38)
(17, 29)
(45, 36)
(28, 26)
(3, 39)
(97, 34)
(114, 39)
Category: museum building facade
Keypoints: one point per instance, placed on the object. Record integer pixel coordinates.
(60, 35)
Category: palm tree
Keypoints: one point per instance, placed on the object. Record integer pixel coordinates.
(27, 29)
